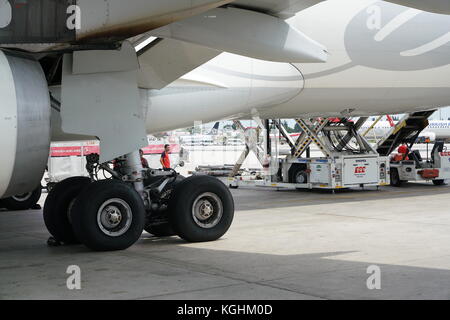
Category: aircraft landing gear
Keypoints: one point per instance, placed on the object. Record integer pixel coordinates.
(108, 215)
(111, 214)
(58, 208)
(202, 209)
(24, 201)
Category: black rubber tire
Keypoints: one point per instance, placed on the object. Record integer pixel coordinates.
(16, 205)
(57, 205)
(439, 182)
(180, 209)
(395, 178)
(84, 215)
(160, 230)
(295, 170)
(303, 174)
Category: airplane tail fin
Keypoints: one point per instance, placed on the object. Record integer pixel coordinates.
(215, 129)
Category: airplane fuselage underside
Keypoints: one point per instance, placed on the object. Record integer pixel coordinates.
(378, 64)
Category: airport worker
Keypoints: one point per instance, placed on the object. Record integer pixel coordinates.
(165, 160)
(403, 150)
(143, 160)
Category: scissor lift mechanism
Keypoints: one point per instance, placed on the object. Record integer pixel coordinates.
(341, 166)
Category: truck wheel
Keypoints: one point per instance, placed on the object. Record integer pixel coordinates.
(108, 215)
(439, 182)
(160, 230)
(202, 209)
(24, 201)
(395, 178)
(58, 205)
(297, 174)
(301, 177)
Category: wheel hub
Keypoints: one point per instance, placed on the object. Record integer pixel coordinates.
(114, 217)
(300, 178)
(207, 210)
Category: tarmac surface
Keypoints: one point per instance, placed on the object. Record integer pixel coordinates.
(282, 245)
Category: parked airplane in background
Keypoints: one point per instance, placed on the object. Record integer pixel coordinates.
(436, 130)
(211, 60)
(215, 129)
(200, 139)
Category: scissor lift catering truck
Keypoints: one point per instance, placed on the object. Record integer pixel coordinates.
(349, 160)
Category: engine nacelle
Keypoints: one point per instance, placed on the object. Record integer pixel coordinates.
(24, 123)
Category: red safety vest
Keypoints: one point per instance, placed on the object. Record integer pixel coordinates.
(166, 160)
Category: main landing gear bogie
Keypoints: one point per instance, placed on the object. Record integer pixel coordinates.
(111, 214)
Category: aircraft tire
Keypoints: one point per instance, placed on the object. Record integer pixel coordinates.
(202, 209)
(23, 202)
(108, 215)
(58, 205)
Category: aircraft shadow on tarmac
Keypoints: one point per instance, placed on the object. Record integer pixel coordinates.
(168, 268)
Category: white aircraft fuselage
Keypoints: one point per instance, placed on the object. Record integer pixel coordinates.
(383, 59)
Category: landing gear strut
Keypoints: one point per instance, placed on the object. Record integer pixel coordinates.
(111, 214)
